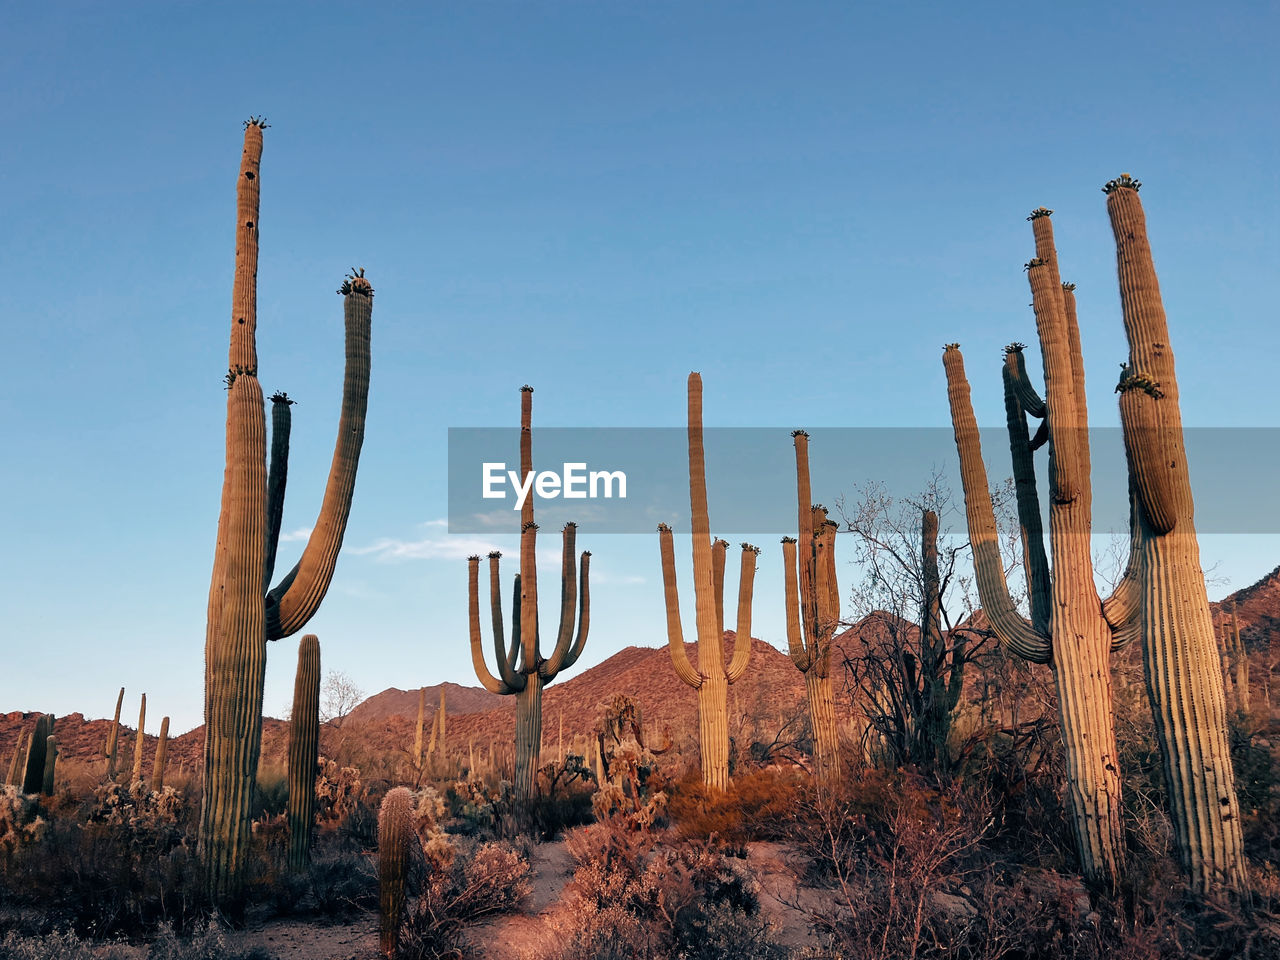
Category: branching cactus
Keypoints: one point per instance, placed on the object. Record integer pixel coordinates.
(522, 670)
(395, 831)
(1071, 628)
(1183, 684)
(711, 678)
(304, 751)
(162, 755)
(113, 738)
(33, 778)
(139, 740)
(813, 611)
(242, 614)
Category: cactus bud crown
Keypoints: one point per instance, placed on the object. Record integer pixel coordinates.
(1039, 212)
(1124, 181)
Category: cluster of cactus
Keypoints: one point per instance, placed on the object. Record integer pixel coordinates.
(304, 751)
(813, 611)
(243, 613)
(712, 677)
(1161, 597)
(435, 747)
(522, 670)
(40, 758)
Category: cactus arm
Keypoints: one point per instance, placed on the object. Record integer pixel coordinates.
(1077, 370)
(1024, 480)
(568, 599)
(277, 479)
(1123, 609)
(1013, 630)
(828, 593)
(291, 604)
(675, 636)
(506, 658)
(1015, 367)
(1144, 446)
(113, 738)
(584, 609)
(303, 752)
(487, 679)
(795, 636)
(742, 639)
(718, 550)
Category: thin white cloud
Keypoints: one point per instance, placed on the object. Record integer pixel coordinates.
(302, 533)
(392, 550)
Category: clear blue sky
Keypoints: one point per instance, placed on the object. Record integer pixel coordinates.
(803, 201)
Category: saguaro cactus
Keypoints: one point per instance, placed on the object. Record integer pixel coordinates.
(813, 611)
(162, 755)
(240, 618)
(113, 738)
(1079, 630)
(33, 777)
(11, 776)
(942, 657)
(50, 760)
(395, 829)
(711, 678)
(1185, 689)
(304, 751)
(417, 737)
(522, 670)
(139, 740)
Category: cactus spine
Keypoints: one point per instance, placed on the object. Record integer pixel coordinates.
(33, 777)
(304, 751)
(395, 828)
(1183, 685)
(1081, 629)
(813, 611)
(526, 678)
(240, 618)
(113, 738)
(139, 741)
(162, 756)
(50, 759)
(712, 677)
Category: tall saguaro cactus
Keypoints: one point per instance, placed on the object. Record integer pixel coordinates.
(241, 618)
(1178, 648)
(711, 678)
(522, 670)
(304, 751)
(1078, 631)
(113, 738)
(139, 740)
(813, 611)
(162, 755)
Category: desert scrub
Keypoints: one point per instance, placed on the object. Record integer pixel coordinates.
(758, 805)
(117, 863)
(456, 882)
(645, 895)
